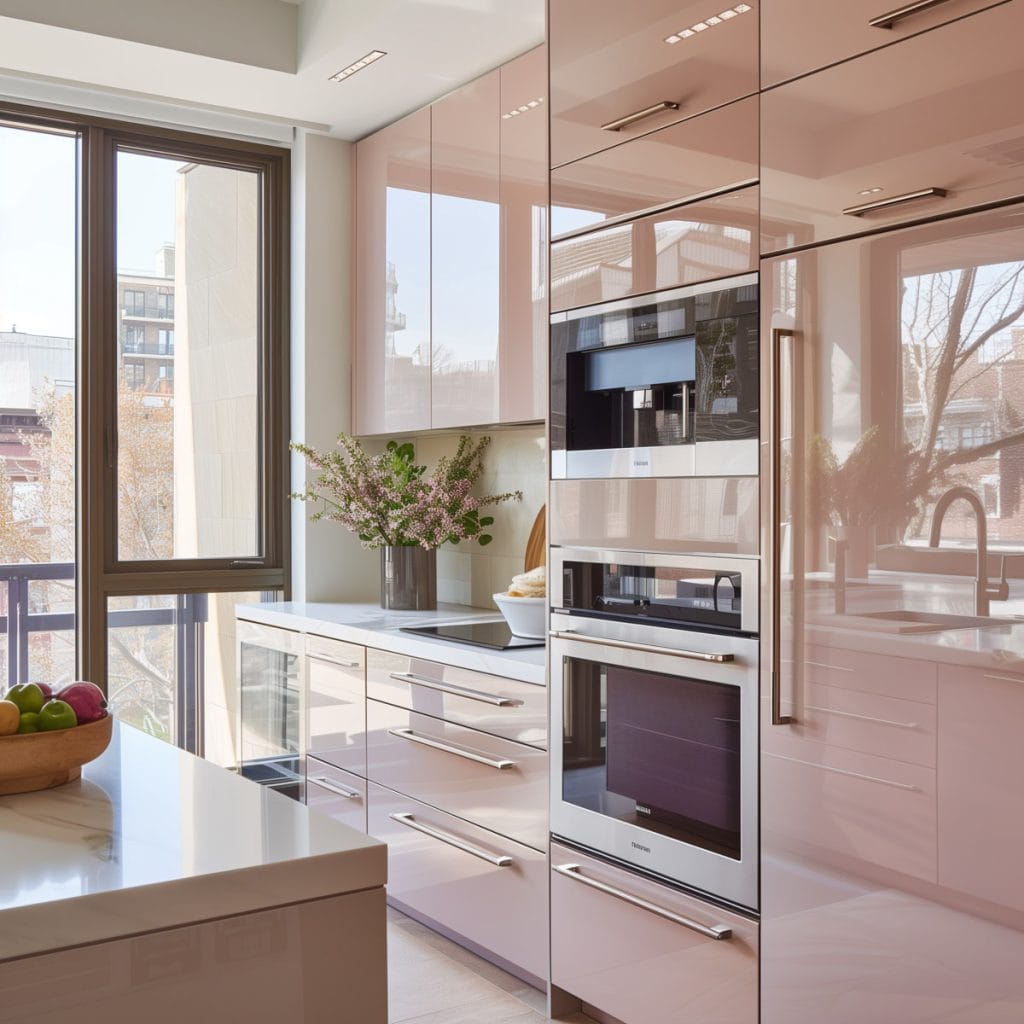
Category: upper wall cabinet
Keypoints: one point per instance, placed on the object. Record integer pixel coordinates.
(465, 254)
(523, 190)
(797, 38)
(619, 70)
(391, 371)
(904, 133)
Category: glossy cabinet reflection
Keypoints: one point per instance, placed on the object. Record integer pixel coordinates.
(391, 371)
(891, 773)
(642, 66)
(907, 132)
(465, 254)
(795, 38)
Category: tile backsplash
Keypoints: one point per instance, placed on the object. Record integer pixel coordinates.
(468, 573)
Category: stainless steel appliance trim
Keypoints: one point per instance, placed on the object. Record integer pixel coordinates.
(663, 460)
(907, 197)
(890, 18)
(333, 661)
(656, 298)
(712, 931)
(406, 818)
(455, 691)
(469, 755)
(852, 775)
(336, 787)
(571, 634)
(778, 333)
(639, 115)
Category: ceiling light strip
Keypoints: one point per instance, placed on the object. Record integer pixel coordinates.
(703, 26)
(363, 62)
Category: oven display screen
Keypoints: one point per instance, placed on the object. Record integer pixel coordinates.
(657, 751)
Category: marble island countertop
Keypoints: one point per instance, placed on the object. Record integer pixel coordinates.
(152, 837)
(372, 626)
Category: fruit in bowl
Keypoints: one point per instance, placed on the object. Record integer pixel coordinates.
(524, 604)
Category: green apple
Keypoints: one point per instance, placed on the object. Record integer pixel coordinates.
(57, 714)
(27, 696)
(29, 721)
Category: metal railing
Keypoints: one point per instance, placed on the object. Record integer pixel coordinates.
(147, 312)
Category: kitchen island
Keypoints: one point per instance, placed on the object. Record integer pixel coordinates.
(159, 887)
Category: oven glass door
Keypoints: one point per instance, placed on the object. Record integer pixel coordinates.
(656, 751)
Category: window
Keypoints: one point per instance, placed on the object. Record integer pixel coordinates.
(134, 375)
(166, 371)
(165, 304)
(165, 342)
(134, 338)
(134, 302)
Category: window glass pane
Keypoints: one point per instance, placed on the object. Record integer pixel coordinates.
(188, 286)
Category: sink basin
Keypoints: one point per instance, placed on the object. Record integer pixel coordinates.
(902, 620)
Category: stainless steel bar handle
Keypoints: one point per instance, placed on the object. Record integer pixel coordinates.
(884, 204)
(569, 634)
(407, 819)
(890, 18)
(624, 122)
(469, 755)
(455, 691)
(334, 661)
(778, 718)
(712, 931)
(336, 787)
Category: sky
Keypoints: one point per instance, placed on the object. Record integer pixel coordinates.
(38, 225)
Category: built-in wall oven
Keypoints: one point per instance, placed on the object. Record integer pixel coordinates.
(654, 675)
(658, 385)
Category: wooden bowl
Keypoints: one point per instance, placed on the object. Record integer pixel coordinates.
(40, 760)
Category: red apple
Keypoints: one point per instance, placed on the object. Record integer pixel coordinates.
(86, 699)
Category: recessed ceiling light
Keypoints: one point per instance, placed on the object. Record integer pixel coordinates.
(741, 8)
(726, 15)
(714, 20)
(870, 191)
(363, 62)
(701, 26)
(672, 39)
(709, 22)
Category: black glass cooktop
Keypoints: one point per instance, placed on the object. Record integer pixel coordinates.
(495, 634)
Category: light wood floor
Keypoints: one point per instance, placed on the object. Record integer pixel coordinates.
(433, 981)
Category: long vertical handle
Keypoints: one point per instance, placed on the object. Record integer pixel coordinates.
(778, 333)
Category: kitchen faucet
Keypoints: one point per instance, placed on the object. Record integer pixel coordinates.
(983, 590)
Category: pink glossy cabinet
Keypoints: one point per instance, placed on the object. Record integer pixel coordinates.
(621, 70)
(523, 206)
(907, 132)
(643, 952)
(391, 365)
(465, 254)
(891, 769)
(796, 38)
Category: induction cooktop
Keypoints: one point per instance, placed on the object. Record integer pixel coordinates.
(494, 634)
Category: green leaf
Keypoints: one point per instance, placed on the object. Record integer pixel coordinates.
(485, 539)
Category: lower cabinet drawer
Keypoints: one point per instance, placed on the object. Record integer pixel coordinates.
(337, 793)
(486, 888)
(639, 966)
(492, 782)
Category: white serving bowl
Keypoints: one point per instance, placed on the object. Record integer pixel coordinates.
(524, 615)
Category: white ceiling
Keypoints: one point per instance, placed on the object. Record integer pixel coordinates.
(269, 58)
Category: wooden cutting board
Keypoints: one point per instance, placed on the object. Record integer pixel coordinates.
(537, 544)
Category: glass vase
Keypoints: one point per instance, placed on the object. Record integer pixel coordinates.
(408, 578)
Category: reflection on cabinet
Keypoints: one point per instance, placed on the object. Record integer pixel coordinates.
(391, 368)
(795, 38)
(336, 793)
(336, 699)
(642, 66)
(908, 131)
(639, 964)
(465, 254)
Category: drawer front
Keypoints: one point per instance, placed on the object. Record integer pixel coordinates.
(611, 60)
(700, 241)
(505, 707)
(927, 125)
(902, 678)
(796, 39)
(501, 908)
(336, 793)
(714, 152)
(489, 781)
(336, 687)
(639, 966)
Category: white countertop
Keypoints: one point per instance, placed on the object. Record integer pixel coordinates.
(372, 626)
(152, 837)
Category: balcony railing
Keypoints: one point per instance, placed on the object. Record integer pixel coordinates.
(140, 312)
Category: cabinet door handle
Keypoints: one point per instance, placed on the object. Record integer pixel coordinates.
(712, 931)
(863, 718)
(455, 691)
(624, 122)
(852, 775)
(890, 18)
(571, 634)
(498, 860)
(884, 204)
(336, 787)
(334, 661)
(469, 755)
